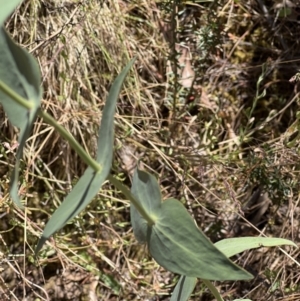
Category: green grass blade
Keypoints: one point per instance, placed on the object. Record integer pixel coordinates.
(7, 7)
(183, 288)
(233, 246)
(20, 95)
(90, 183)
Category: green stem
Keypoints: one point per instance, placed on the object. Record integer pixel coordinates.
(72, 141)
(15, 96)
(77, 147)
(213, 290)
(132, 199)
(92, 163)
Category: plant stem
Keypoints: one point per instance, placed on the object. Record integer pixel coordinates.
(132, 199)
(94, 164)
(77, 147)
(72, 141)
(15, 96)
(213, 290)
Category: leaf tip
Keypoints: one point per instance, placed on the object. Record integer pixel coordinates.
(40, 244)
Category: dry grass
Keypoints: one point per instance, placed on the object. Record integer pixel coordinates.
(221, 147)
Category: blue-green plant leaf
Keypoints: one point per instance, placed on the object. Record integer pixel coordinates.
(174, 240)
(229, 247)
(7, 7)
(20, 79)
(183, 288)
(177, 244)
(145, 188)
(90, 183)
(233, 246)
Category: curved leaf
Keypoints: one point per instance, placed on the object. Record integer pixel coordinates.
(183, 288)
(90, 183)
(229, 247)
(145, 189)
(7, 7)
(177, 244)
(81, 195)
(20, 78)
(174, 240)
(233, 246)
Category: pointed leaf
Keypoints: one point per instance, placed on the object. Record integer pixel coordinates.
(90, 183)
(186, 285)
(7, 7)
(174, 240)
(233, 246)
(178, 245)
(106, 132)
(81, 195)
(146, 189)
(20, 74)
(183, 288)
